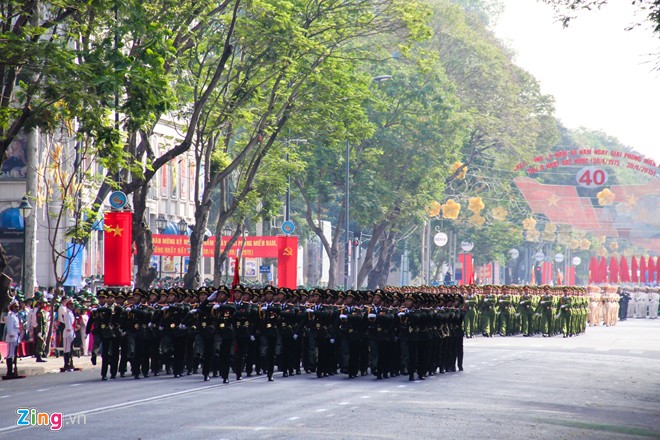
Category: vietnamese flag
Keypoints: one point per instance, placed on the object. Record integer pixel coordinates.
(633, 270)
(642, 270)
(624, 275)
(237, 276)
(651, 270)
(614, 270)
(118, 246)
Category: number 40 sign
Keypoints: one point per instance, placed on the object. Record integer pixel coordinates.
(591, 177)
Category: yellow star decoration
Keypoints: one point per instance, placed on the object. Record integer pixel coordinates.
(585, 244)
(499, 213)
(606, 197)
(478, 220)
(602, 252)
(550, 228)
(116, 231)
(631, 200)
(461, 175)
(476, 204)
(451, 209)
(614, 245)
(529, 223)
(574, 244)
(433, 209)
(553, 200)
(533, 235)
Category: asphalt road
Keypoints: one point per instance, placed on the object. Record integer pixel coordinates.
(602, 385)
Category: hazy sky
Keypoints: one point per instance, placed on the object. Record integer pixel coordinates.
(601, 75)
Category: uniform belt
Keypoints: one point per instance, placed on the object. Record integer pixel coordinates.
(203, 324)
(269, 325)
(221, 325)
(137, 326)
(318, 325)
(102, 325)
(172, 325)
(247, 323)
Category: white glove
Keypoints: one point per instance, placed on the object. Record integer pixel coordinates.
(128, 309)
(217, 306)
(264, 309)
(252, 338)
(332, 341)
(295, 337)
(342, 316)
(213, 296)
(39, 335)
(160, 327)
(193, 310)
(371, 316)
(150, 325)
(401, 314)
(310, 310)
(182, 326)
(165, 307)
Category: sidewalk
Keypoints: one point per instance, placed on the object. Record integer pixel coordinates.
(28, 366)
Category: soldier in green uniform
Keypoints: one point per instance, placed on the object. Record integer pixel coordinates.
(487, 312)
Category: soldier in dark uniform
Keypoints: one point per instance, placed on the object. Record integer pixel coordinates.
(624, 299)
(289, 318)
(243, 334)
(353, 323)
(223, 313)
(119, 325)
(269, 317)
(309, 328)
(379, 325)
(157, 333)
(109, 346)
(143, 315)
(206, 328)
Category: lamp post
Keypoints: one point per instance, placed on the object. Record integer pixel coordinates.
(25, 209)
(183, 227)
(161, 224)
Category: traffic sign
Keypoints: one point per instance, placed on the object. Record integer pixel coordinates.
(288, 227)
(440, 239)
(118, 200)
(577, 261)
(514, 254)
(539, 256)
(264, 269)
(467, 245)
(559, 258)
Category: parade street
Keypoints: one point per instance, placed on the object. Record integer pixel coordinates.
(601, 385)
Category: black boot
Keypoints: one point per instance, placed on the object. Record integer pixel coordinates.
(66, 363)
(10, 367)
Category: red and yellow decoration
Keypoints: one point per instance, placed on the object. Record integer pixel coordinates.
(499, 213)
(606, 197)
(433, 209)
(451, 209)
(118, 248)
(461, 175)
(476, 205)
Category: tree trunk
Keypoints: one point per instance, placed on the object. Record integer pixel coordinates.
(142, 238)
(193, 277)
(378, 277)
(367, 264)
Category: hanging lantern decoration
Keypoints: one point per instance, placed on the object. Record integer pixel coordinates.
(606, 197)
(461, 174)
(451, 209)
(529, 224)
(433, 209)
(476, 205)
(477, 220)
(499, 214)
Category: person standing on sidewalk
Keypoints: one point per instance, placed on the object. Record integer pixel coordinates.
(12, 338)
(41, 328)
(68, 319)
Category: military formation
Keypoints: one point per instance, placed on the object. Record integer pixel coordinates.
(528, 310)
(639, 302)
(241, 332)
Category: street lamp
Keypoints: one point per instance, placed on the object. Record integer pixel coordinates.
(183, 228)
(161, 224)
(25, 209)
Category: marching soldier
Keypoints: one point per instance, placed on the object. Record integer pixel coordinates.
(269, 315)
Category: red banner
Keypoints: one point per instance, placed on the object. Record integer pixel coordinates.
(255, 246)
(287, 262)
(118, 242)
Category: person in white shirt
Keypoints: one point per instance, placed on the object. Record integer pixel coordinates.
(641, 303)
(69, 320)
(12, 338)
(654, 297)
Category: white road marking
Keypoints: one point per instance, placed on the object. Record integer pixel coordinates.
(344, 403)
(43, 389)
(259, 428)
(383, 391)
(2, 397)
(293, 418)
(400, 386)
(320, 410)
(75, 384)
(636, 351)
(364, 397)
(602, 349)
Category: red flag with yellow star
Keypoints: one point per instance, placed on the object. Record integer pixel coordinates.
(118, 252)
